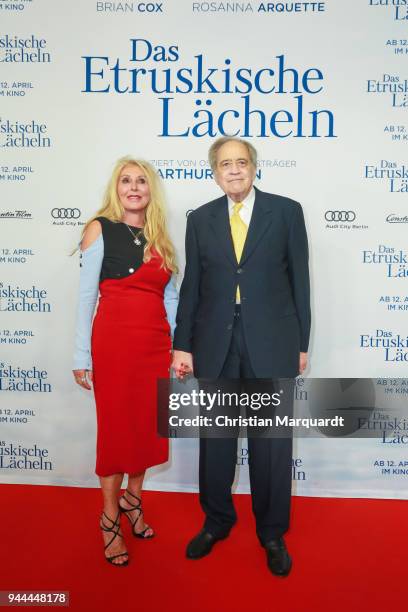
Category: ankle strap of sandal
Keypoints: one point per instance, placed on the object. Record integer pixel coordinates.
(137, 506)
(114, 528)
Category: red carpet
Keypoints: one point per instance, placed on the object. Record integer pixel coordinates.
(347, 555)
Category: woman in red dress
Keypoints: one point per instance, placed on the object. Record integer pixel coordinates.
(128, 259)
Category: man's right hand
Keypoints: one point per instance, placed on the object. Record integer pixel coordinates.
(182, 364)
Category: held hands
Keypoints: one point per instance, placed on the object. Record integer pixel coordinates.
(83, 378)
(182, 364)
(302, 362)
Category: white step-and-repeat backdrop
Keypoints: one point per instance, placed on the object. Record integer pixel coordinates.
(320, 88)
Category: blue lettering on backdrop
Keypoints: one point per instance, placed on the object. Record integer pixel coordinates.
(242, 118)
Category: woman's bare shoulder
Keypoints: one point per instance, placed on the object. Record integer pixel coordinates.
(92, 232)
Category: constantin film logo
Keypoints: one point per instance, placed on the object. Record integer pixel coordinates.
(16, 214)
(393, 218)
(342, 219)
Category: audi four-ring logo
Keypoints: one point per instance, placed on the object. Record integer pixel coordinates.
(65, 213)
(340, 215)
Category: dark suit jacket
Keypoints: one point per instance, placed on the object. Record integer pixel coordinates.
(273, 278)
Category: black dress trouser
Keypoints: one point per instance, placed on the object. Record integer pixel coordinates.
(270, 465)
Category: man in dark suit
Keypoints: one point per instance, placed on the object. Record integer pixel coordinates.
(244, 313)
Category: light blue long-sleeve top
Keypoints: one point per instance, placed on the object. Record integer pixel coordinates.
(91, 265)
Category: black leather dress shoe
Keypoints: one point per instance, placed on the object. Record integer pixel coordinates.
(277, 557)
(202, 544)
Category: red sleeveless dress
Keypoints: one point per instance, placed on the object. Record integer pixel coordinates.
(131, 349)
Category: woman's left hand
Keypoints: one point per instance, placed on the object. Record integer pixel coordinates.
(83, 378)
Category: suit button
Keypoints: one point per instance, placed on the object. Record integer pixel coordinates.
(131, 270)
(229, 327)
(240, 271)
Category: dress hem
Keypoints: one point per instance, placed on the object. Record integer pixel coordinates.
(132, 471)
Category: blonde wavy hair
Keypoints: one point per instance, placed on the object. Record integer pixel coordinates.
(155, 230)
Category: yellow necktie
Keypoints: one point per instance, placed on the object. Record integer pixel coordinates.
(239, 231)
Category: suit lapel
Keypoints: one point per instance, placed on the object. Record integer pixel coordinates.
(220, 224)
(260, 221)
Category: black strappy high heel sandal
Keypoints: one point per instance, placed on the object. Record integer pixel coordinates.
(138, 507)
(114, 528)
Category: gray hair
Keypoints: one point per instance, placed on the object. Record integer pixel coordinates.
(217, 144)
